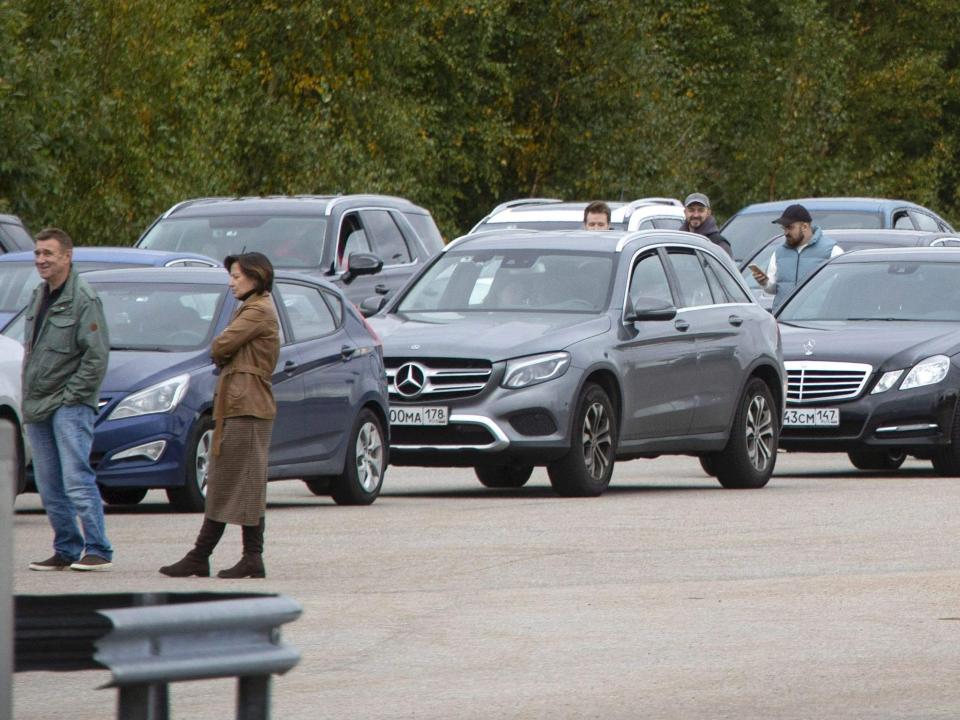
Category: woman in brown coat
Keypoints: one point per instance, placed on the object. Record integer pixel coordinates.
(246, 353)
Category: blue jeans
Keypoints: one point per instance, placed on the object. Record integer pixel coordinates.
(67, 484)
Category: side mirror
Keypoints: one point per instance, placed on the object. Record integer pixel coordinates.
(372, 305)
(648, 308)
(360, 263)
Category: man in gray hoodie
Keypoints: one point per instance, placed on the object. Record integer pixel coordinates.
(699, 219)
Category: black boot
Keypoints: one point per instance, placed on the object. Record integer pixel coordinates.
(197, 561)
(251, 564)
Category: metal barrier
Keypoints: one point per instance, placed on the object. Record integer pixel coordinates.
(148, 640)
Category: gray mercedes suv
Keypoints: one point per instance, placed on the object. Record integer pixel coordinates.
(514, 349)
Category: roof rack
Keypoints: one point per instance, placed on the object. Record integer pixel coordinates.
(523, 201)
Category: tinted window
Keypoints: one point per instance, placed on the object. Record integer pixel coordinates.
(385, 237)
(667, 223)
(14, 237)
(902, 221)
(309, 316)
(649, 285)
(694, 288)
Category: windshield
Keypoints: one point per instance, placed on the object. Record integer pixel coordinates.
(289, 241)
(748, 231)
(512, 281)
(879, 290)
(18, 279)
(540, 225)
(166, 317)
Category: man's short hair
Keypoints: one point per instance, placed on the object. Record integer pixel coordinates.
(52, 233)
(597, 206)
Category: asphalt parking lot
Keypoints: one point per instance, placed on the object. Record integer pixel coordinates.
(831, 593)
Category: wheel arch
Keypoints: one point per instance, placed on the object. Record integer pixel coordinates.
(608, 381)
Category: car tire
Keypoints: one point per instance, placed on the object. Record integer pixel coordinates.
(365, 464)
(503, 476)
(708, 463)
(946, 459)
(877, 459)
(122, 495)
(586, 468)
(751, 452)
(21, 470)
(192, 495)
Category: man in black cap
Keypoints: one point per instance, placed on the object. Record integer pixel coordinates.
(699, 219)
(804, 249)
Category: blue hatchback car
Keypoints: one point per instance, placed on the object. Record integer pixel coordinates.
(155, 425)
(18, 276)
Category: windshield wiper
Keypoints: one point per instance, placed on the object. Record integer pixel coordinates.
(144, 348)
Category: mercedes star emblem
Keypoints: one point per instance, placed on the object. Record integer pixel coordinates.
(410, 379)
(808, 346)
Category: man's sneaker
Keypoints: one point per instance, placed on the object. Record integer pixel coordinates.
(92, 562)
(54, 562)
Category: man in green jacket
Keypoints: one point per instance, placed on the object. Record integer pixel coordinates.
(66, 350)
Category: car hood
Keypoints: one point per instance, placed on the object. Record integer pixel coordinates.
(132, 370)
(895, 344)
(494, 336)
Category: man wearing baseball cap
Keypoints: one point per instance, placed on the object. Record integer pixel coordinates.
(699, 219)
(804, 249)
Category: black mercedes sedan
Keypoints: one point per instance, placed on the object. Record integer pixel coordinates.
(871, 344)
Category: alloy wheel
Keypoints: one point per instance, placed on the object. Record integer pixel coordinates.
(596, 440)
(369, 456)
(202, 460)
(760, 433)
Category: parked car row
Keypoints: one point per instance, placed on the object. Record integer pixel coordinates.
(525, 343)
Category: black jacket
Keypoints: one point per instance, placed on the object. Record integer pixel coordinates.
(710, 231)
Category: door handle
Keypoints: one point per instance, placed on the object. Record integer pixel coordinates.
(735, 320)
(346, 352)
(289, 366)
(681, 325)
(381, 289)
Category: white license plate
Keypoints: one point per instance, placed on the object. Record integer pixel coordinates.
(419, 415)
(812, 417)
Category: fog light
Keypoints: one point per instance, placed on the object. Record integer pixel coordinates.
(151, 450)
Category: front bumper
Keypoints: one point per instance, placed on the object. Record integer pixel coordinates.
(915, 421)
(499, 425)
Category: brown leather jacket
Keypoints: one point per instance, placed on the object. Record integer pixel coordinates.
(246, 353)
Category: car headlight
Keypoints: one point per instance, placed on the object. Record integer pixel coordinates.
(523, 372)
(927, 372)
(887, 381)
(162, 397)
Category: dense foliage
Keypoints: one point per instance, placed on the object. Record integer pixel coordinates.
(112, 110)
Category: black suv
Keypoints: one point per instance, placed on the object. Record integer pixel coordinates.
(367, 244)
(13, 235)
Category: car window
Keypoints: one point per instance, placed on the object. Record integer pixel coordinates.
(385, 237)
(14, 237)
(694, 288)
(667, 223)
(924, 221)
(902, 221)
(336, 306)
(717, 273)
(289, 241)
(309, 316)
(515, 280)
(649, 282)
(427, 230)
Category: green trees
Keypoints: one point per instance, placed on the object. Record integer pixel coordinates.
(112, 111)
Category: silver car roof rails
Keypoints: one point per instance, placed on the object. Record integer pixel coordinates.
(644, 202)
(523, 201)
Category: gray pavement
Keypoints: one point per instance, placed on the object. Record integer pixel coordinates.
(829, 594)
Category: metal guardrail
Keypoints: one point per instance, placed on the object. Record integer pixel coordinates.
(149, 640)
